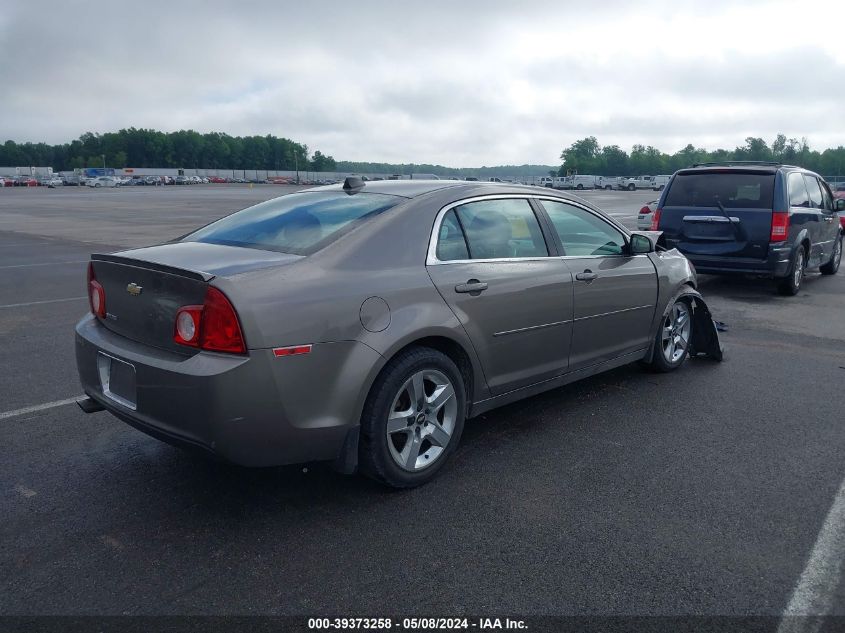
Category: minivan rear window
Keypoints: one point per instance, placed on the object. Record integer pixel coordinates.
(299, 223)
(733, 190)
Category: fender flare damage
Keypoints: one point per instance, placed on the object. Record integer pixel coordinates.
(705, 341)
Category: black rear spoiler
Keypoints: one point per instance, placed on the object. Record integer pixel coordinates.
(161, 268)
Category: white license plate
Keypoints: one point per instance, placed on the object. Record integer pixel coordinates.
(117, 378)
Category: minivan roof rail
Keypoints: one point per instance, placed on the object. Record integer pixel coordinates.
(739, 162)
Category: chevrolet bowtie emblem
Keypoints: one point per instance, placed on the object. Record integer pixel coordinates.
(134, 289)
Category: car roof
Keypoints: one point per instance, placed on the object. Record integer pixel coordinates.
(739, 166)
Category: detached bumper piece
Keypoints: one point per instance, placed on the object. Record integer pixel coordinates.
(89, 405)
(705, 337)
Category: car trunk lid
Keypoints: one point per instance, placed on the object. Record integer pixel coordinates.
(145, 287)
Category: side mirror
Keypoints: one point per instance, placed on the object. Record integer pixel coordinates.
(641, 244)
(840, 204)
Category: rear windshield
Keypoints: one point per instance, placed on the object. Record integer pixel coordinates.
(300, 223)
(733, 190)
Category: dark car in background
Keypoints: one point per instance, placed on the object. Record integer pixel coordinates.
(765, 219)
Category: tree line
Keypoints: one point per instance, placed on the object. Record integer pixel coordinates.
(586, 156)
(135, 147)
(151, 148)
(509, 171)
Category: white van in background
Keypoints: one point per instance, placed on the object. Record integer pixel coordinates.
(582, 181)
(660, 182)
(607, 182)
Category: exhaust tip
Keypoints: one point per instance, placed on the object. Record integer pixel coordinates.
(89, 405)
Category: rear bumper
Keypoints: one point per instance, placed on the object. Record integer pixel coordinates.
(775, 265)
(255, 410)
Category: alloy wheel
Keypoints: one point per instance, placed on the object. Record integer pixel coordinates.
(799, 270)
(421, 420)
(676, 331)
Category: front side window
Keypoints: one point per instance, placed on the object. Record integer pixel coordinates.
(797, 190)
(497, 229)
(582, 233)
(299, 223)
(828, 197)
(816, 199)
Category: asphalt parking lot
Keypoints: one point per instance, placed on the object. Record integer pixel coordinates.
(701, 492)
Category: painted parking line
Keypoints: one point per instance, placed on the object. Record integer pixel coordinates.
(36, 407)
(39, 303)
(79, 261)
(817, 586)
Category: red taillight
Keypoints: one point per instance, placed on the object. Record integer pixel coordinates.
(655, 219)
(96, 294)
(780, 226)
(213, 326)
(645, 210)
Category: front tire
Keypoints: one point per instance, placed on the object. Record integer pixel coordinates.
(413, 418)
(790, 285)
(832, 266)
(671, 345)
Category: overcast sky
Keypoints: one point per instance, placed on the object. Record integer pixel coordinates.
(455, 83)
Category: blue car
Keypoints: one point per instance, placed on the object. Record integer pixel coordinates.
(766, 219)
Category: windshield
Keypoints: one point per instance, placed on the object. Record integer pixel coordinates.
(300, 223)
(733, 190)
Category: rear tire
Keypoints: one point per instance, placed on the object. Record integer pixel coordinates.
(414, 412)
(631, 187)
(832, 266)
(790, 285)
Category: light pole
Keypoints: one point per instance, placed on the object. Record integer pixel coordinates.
(104, 164)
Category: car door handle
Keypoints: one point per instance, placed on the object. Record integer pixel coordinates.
(472, 286)
(587, 275)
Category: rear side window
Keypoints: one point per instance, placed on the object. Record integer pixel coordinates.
(451, 244)
(797, 191)
(496, 229)
(816, 199)
(734, 190)
(300, 223)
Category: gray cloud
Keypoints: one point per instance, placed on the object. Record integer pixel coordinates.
(455, 83)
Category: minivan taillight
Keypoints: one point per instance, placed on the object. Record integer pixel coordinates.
(655, 219)
(213, 326)
(780, 226)
(96, 294)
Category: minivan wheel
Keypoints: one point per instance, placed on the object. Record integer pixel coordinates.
(832, 266)
(672, 343)
(790, 285)
(580, 186)
(413, 418)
